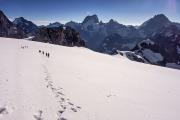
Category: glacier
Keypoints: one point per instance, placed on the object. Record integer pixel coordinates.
(75, 83)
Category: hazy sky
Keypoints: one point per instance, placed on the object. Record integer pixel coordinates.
(132, 12)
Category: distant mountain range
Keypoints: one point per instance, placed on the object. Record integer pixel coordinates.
(96, 32)
(9, 29)
(161, 45)
(54, 33)
(112, 37)
(156, 41)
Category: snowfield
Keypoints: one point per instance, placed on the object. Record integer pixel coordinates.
(79, 84)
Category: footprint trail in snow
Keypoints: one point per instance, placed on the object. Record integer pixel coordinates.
(65, 104)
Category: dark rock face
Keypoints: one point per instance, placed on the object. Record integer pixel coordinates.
(113, 27)
(93, 18)
(89, 31)
(132, 56)
(59, 35)
(27, 26)
(119, 37)
(166, 46)
(117, 42)
(154, 25)
(8, 29)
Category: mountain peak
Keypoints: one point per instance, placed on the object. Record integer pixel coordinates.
(25, 25)
(160, 17)
(19, 20)
(155, 24)
(112, 21)
(55, 24)
(3, 18)
(92, 18)
(157, 19)
(1, 12)
(8, 29)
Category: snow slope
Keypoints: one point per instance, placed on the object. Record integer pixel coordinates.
(79, 84)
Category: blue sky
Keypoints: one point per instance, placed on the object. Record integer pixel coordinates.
(129, 12)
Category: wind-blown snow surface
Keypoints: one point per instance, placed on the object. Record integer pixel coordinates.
(79, 84)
